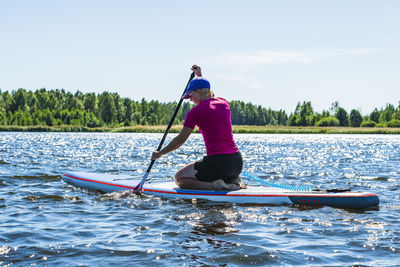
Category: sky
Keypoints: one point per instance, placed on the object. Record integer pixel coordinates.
(270, 53)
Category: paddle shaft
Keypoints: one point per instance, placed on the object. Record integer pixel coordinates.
(138, 188)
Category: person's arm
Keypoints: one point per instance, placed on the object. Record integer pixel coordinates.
(179, 140)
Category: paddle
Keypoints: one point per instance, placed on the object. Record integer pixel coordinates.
(138, 188)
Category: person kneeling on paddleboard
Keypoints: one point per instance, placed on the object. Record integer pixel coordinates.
(221, 167)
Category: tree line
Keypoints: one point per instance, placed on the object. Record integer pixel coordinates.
(59, 107)
(304, 115)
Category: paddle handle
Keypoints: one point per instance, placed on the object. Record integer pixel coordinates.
(138, 188)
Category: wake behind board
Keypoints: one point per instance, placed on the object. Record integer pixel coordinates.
(252, 195)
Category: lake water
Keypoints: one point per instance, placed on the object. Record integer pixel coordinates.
(47, 222)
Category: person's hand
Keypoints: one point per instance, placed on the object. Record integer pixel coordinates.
(156, 155)
(197, 70)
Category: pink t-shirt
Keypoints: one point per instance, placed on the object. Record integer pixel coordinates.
(213, 118)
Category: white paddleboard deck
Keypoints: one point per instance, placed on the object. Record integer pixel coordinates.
(252, 194)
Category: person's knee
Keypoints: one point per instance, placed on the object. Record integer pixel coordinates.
(178, 177)
(185, 183)
(187, 171)
(180, 183)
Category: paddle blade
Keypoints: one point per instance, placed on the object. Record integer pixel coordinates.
(139, 188)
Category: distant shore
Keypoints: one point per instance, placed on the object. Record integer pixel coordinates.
(236, 129)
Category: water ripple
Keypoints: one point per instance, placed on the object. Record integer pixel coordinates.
(46, 222)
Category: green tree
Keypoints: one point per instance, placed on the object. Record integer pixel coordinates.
(387, 114)
(368, 123)
(76, 103)
(355, 118)
(43, 117)
(120, 108)
(17, 118)
(334, 107)
(77, 116)
(53, 101)
(20, 101)
(152, 119)
(341, 115)
(329, 121)
(7, 98)
(303, 115)
(92, 121)
(56, 107)
(136, 118)
(306, 114)
(65, 117)
(186, 106)
(33, 103)
(294, 120)
(63, 98)
(3, 118)
(144, 107)
(250, 112)
(282, 118)
(129, 109)
(235, 112)
(374, 116)
(396, 115)
(90, 102)
(2, 105)
(43, 98)
(108, 110)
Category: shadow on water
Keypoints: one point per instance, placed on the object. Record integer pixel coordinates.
(356, 211)
(45, 177)
(37, 198)
(216, 221)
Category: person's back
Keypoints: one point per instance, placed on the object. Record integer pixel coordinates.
(213, 118)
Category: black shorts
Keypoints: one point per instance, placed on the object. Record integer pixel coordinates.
(223, 166)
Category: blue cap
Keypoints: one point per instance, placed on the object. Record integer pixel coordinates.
(197, 83)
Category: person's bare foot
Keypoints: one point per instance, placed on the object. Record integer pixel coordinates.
(233, 186)
(238, 184)
(242, 185)
(220, 185)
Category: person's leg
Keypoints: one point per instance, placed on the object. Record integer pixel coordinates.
(236, 184)
(185, 178)
(230, 166)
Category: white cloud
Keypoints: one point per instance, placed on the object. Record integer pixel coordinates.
(246, 82)
(288, 57)
(266, 57)
(356, 52)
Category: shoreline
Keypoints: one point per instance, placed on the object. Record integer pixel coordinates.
(237, 129)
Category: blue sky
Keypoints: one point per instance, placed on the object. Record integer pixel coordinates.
(270, 53)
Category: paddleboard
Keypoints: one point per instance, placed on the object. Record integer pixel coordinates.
(251, 195)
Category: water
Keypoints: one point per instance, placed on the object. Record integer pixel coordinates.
(46, 222)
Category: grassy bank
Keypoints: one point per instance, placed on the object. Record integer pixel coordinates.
(236, 129)
(72, 128)
(313, 130)
(61, 128)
